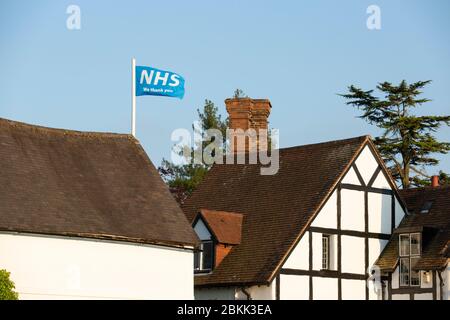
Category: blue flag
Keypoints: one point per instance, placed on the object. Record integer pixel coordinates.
(155, 82)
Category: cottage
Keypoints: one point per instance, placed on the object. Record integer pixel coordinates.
(311, 231)
(86, 216)
(414, 264)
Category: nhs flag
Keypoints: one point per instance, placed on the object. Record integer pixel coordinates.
(155, 82)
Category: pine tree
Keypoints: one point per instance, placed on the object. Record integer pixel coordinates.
(183, 178)
(407, 143)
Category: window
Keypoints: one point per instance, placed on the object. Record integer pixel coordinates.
(203, 259)
(426, 207)
(415, 244)
(409, 249)
(325, 252)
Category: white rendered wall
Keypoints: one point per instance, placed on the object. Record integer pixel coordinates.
(423, 296)
(367, 164)
(263, 292)
(352, 210)
(380, 208)
(353, 289)
(299, 257)
(446, 288)
(325, 288)
(399, 213)
(351, 177)
(381, 182)
(317, 250)
(294, 287)
(327, 217)
(45, 267)
(353, 251)
(395, 279)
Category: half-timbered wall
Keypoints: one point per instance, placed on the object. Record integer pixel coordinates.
(358, 218)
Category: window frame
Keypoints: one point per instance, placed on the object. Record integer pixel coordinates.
(201, 257)
(326, 254)
(410, 256)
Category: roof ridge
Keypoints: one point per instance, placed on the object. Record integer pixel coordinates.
(362, 138)
(426, 188)
(45, 129)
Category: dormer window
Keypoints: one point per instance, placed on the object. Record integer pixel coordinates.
(203, 259)
(409, 252)
(426, 207)
(219, 232)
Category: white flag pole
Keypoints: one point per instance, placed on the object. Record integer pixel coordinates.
(133, 97)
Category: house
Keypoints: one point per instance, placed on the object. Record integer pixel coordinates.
(414, 263)
(86, 216)
(313, 230)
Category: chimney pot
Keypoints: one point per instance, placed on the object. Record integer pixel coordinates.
(435, 181)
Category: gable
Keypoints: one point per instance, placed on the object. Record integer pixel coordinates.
(364, 182)
(276, 208)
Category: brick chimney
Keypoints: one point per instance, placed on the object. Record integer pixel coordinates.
(247, 113)
(435, 181)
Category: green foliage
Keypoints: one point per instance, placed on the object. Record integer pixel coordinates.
(238, 93)
(183, 178)
(7, 287)
(407, 142)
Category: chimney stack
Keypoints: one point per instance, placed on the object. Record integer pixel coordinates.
(435, 181)
(247, 113)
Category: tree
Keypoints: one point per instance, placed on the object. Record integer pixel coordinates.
(407, 143)
(7, 287)
(238, 93)
(183, 178)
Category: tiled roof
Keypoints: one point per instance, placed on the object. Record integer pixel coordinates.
(95, 185)
(277, 208)
(435, 225)
(226, 226)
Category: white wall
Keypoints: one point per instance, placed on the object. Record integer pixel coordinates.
(47, 267)
(351, 177)
(353, 289)
(299, 257)
(379, 212)
(399, 213)
(446, 280)
(395, 279)
(423, 296)
(366, 164)
(327, 217)
(263, 292)
(352, 210)
(353, 252)
(325, 288)
(294, 287)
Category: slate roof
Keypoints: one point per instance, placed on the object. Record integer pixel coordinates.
(226, 226)
(277, 209)
(435, 226)
(84, 184)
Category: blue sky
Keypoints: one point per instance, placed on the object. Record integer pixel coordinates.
(299, 54)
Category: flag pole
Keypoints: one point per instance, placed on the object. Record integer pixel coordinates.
(133, 97)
